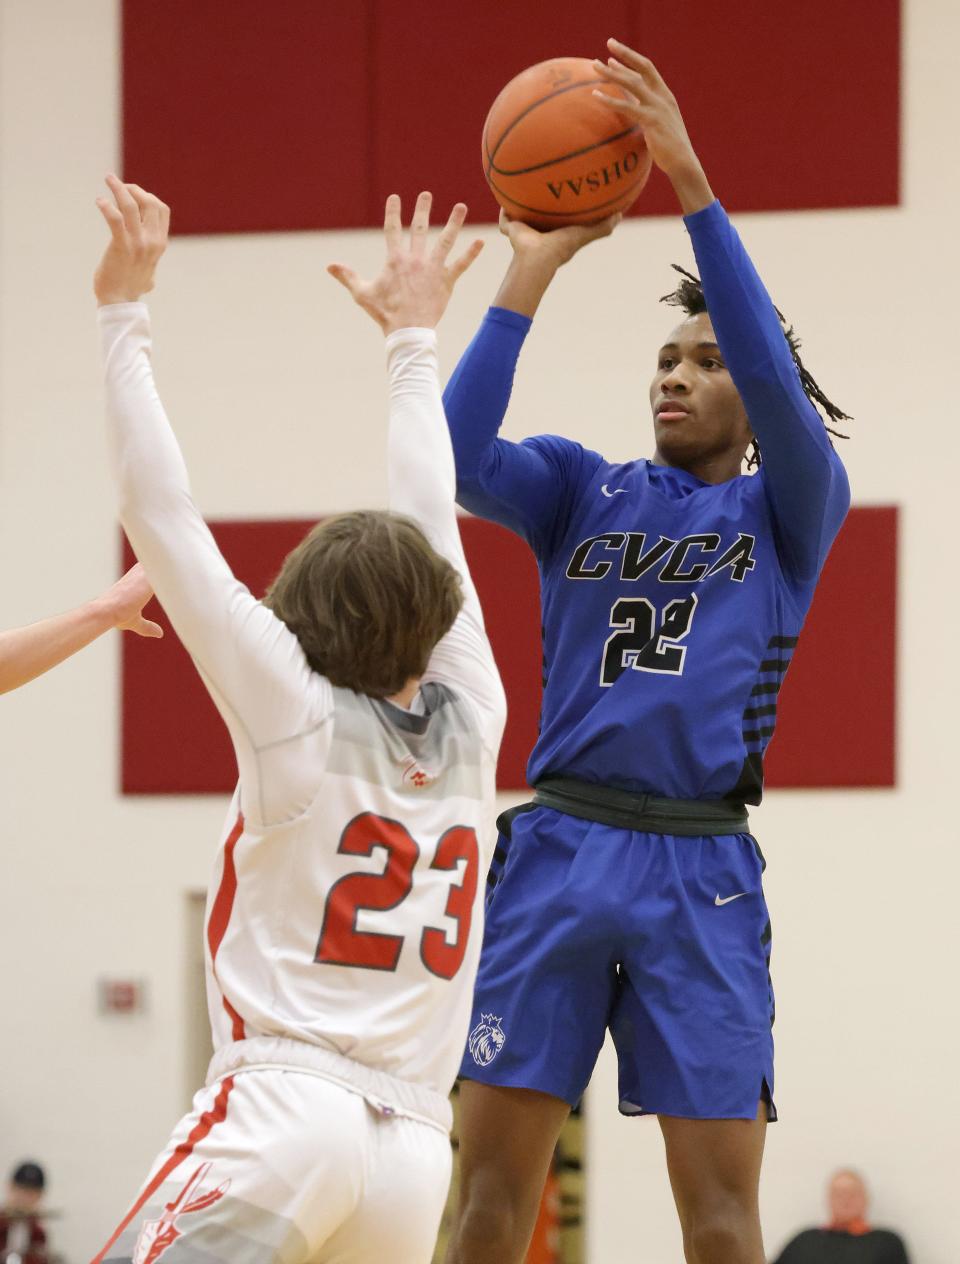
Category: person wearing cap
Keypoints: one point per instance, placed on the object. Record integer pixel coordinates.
(21, 1234)
(849, 1238)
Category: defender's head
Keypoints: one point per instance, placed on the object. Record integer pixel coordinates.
(700, 421)
(368, 598)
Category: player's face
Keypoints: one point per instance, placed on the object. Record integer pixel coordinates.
(698, 415)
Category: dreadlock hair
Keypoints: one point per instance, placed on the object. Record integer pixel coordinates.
(689, 297)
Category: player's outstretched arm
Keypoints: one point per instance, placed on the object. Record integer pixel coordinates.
(251, 663)
(407, 300)
(26, 653)
(538, 256)
(803, 478)
(523, 486)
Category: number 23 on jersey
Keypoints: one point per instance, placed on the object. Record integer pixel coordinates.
(342, 944)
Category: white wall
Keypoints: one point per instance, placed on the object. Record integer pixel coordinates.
(274, 387)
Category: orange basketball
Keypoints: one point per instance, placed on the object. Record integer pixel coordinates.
(553, 154)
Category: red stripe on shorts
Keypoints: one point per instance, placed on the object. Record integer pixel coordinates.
(220, 918)
(215, 1115)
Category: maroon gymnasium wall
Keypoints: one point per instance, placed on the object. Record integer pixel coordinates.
(251, 117)
(302, 115)
(837, 709)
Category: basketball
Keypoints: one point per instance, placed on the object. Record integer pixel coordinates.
(553, 154)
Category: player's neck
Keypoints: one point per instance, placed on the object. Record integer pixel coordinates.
(719, 467)
(406, 695)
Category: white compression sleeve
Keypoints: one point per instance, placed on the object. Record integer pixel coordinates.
(422, 486)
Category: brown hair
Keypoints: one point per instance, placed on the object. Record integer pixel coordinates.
(368, 598)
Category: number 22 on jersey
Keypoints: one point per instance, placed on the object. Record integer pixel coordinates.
(342, 944)
(644, 640)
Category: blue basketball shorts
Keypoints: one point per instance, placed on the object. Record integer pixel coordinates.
(664, 940)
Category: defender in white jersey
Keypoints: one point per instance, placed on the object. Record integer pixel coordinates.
(344, 916)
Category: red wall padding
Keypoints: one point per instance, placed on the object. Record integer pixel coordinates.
(837, 714)
(252, 117)
(837, 710)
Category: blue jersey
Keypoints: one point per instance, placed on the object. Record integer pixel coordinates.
(671, 607)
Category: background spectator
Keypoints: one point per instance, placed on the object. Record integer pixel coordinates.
(849, 1238)
(21, 1235)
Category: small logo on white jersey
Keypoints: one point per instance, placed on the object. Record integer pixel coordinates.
(727, 898)
(415, 774)
(617, 491)
(486, 1040)
(158, 1236)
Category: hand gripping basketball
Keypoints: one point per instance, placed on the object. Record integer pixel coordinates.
(416, 283)
(649, 102)
(555, 246)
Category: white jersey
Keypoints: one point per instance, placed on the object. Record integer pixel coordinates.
(346, 904)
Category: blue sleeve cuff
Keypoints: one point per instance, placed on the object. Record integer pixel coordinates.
(504, 316)
(710, 215)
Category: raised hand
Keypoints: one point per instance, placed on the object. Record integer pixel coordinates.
(124, 601)
(416, 283)
(139, 226)
(654, 107)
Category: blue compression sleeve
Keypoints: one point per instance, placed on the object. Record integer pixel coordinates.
(804, 480)
(523, 486)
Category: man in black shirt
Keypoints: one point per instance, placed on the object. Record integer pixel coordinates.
(848, 1238)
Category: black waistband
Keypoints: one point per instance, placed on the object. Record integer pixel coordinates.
(685, 817)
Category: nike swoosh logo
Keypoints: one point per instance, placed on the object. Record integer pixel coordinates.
(617, 491)
(728, 898)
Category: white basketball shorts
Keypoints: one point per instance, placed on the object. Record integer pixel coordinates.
(282, 1166)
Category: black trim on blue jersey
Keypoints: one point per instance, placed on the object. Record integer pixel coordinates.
(749, 787)
(775, 664)
(504, 829)
(757, 713)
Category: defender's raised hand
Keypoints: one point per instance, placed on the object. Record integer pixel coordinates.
(416, 283)
(139, 226)
(655, 108)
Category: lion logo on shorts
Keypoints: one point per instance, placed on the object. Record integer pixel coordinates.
(486, 1040)
(156, 1237)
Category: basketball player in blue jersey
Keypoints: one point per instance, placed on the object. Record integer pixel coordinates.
(628, 895)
